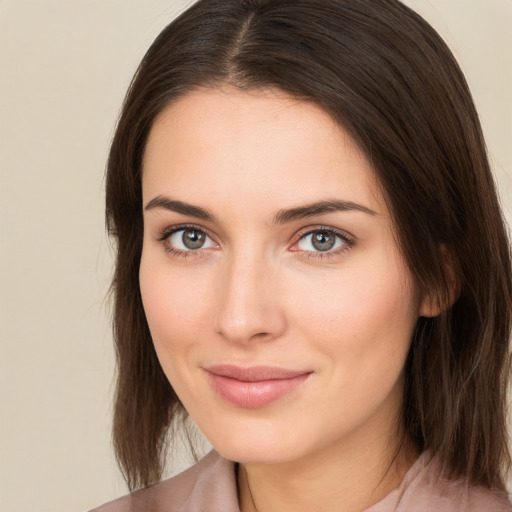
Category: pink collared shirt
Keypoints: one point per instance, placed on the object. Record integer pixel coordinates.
(210, 486)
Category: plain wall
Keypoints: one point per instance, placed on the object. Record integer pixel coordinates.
(64, 69)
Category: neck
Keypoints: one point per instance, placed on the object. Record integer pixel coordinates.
(348, 477)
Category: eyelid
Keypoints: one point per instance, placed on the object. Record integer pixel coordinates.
(348, 239)
(163, 238)
(166, 232)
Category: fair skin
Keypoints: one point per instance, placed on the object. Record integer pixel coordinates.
(323, 297)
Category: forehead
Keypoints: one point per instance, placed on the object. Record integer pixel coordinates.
(237, 146)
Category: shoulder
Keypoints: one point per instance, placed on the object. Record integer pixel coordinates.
(427, 486)
(208, 485)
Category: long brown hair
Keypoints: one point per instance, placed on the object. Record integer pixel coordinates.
(386, 76)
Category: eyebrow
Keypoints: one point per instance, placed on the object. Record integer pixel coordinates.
(180, 207)
(281, 217)
(319, 208)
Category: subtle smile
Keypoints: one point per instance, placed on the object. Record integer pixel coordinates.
(255, 386)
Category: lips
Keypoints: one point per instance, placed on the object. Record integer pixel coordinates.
(255, 386)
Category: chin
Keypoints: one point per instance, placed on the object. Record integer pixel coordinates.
(260, 443)
(256, 454)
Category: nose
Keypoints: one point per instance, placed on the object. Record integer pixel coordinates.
(249, 305)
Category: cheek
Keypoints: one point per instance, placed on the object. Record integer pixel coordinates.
(361, 319)
(363, 330)
(176, 308)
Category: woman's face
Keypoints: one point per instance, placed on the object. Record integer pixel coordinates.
(280, 306)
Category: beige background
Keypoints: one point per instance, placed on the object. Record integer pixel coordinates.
(64, 68)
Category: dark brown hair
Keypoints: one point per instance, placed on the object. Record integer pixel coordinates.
(386, 76)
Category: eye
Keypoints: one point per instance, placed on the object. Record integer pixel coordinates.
(323, 240)
(189, 239)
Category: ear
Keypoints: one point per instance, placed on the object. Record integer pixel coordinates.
(434, 304)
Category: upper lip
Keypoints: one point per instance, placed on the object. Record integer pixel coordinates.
(254, 373)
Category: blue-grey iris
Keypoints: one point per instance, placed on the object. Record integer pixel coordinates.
(193, 239)
(323, 240)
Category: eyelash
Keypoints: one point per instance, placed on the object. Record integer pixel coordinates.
(348, 242)
(164, 240)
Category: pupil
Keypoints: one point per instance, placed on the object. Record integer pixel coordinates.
(323, 241)
(193, 239)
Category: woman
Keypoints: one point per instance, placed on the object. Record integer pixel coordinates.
(311, 263)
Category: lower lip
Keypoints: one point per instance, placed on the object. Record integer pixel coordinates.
(252, 395)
